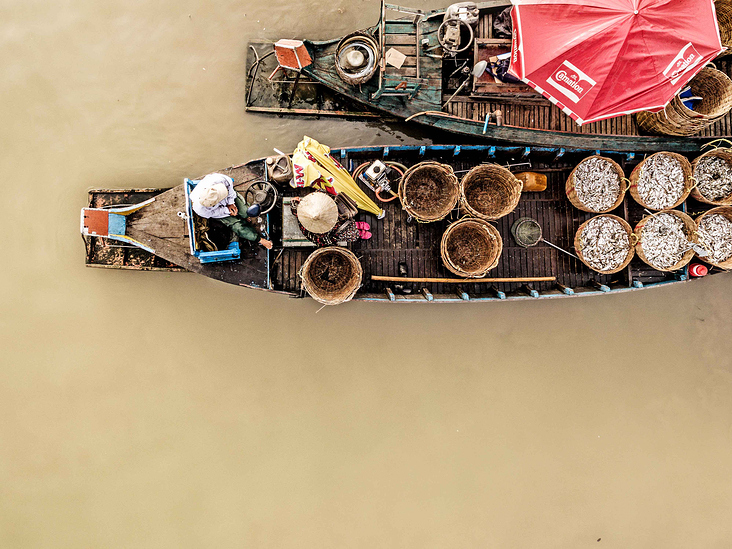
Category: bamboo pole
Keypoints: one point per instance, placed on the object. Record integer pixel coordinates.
(462, 280)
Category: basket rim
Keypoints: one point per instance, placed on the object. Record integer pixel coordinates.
(688, 180)
(493, 235)
(691, 236)
(570, 186)
(515, 191)
(631, 247)
(453, 185)
(343, 295)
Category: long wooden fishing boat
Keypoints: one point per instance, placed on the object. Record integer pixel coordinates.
(153, 228)
(437, 91)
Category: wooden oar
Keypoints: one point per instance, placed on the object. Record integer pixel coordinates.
(462, 280)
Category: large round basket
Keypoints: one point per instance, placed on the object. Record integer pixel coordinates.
(723, 154)
(571, 185)
(490, 191)
(631, 242)
(685, 167)
(689, 229)
(471, 247)
(428, 191)
(715, 89)
(724, 19)
(331, 275)
(726, 211)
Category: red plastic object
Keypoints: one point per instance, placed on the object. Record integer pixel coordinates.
(698, 270)
(597, 59)
(292, 54)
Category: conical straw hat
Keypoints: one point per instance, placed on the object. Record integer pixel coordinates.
(317, 212)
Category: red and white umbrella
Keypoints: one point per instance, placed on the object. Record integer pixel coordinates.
(598, 59)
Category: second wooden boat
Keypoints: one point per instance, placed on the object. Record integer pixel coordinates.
(436, 90)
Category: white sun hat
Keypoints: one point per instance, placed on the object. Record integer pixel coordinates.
(317, 212)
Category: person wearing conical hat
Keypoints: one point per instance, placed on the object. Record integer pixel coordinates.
(321, 222)
(215, 198)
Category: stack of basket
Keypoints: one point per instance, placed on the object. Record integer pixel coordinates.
(715, 89)
(724, 20)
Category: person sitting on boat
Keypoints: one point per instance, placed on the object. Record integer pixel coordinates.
(215, 198)
(321, 222)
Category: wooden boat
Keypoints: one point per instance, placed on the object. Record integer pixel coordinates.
(157, 228)
(423, 90)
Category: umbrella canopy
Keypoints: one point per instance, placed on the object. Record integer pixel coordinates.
(313, 166)
(598, 59)
(317, 212)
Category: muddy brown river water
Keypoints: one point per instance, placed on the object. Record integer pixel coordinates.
(156, 410)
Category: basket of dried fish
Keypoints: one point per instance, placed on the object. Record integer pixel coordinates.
(429, 191)
(596, 185)
(713, 174)
(662, 181)
(605, 243)
(331, 275)
(715, 236)
(666, 240)
(471, 247)
(715, 89)
(490, 191)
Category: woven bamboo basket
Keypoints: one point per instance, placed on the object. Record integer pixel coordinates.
(722, 153)
(471, 247)
(490, 191)
(428, 191)
(713, 86)
(726, 211)
(331, 275)
(688, 179)
(689, 229)
(570, 186)
(724, 20)
(631, 243)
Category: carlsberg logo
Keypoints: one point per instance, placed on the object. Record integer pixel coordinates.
(571, 82)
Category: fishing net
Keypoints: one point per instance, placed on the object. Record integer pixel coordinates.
(715, 236)
(331, 275)
(526, 232)
(471, 247)
(665, 240)
(490, 191)
(662, 181)
(428, 191)
(715, 89)
(713, 174)
(605, 243)
(596, 185)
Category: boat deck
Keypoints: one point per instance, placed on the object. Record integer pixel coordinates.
(418, 245)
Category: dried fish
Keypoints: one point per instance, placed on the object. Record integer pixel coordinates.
(715, 235)
(661, 181)
(714, 178)
(664, 240)
(604, 243)
(597, 184)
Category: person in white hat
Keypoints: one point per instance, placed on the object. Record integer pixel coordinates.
(215, 198)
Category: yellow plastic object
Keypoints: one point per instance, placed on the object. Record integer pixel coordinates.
(533, 182)
(313, 166)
